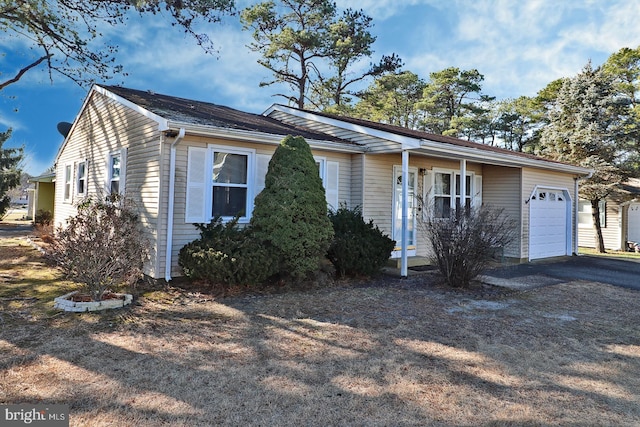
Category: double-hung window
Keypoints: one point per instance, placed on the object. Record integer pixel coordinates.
(81, 178)
(68, 173)
(585, 213)
(115, 173)
(443, 191)
(230, 183)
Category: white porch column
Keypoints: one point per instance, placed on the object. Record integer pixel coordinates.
(405, 214)
(463, 183)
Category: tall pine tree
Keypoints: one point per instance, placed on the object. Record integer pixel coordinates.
(9, 171)
(589, 127)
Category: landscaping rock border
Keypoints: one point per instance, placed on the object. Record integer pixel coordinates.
(65, 303)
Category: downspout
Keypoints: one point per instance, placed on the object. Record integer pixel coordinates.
(404, 270)
(172, 185)
(463, 185)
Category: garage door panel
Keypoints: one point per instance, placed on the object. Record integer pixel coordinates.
(634, 222)
(548, 224)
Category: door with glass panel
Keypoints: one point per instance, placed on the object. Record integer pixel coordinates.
(397, 207)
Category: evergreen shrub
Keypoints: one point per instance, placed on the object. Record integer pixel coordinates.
(359, 248)
(227, 255)
(290, 214)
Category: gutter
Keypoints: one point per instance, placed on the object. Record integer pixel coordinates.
(172, 185)
(259, 137)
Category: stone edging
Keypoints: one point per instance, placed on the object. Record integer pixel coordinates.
(64, 303)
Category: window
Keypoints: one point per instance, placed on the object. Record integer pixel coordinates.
(442, 192)
(442, 195)
(67, 183)
(81, 178)
(230, 183)
(585, 213)
(115, 173)
(467, 197)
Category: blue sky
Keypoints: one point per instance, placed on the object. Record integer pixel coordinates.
(518, 45)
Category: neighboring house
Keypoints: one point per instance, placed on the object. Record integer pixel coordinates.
(43, 194)
(619, 219)
(187, 161)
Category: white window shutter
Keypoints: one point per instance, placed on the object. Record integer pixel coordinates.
(196, 198)
(123, 170)
(477, 192)
(262, 166)
(332, 183)
(427, 193)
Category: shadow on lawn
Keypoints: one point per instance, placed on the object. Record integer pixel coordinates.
(256, 362)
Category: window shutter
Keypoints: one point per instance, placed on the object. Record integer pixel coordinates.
(477, 192)
(262, 166)
(196, 198)
(332, 183)
(123, 170)
(427, 193)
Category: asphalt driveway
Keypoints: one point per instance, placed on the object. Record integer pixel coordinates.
(618, 272)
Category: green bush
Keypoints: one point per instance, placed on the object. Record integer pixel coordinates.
(359, 248)
(227, 255)
(290, 214)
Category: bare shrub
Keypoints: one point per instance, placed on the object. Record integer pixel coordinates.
(103, 246)
(463, 244)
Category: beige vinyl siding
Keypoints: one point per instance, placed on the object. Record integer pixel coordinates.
(501, 189)
(378, 188)
(184, 232)
(611, 234)
(357, 180)
(104, 127)
(542, 178)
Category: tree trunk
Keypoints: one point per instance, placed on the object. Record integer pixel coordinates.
(597, 227)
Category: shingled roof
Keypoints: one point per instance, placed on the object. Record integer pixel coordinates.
(412, 133)
(208, 114)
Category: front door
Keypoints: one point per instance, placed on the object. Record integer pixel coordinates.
(397, 210)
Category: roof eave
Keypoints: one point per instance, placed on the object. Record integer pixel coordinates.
(259, 137)
(405, 141)
(500, 159)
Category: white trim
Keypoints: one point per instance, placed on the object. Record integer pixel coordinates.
(568, 217)
(410, 249)
(67, 197)
(437, 148)
(249, 199)
(77, 180)
(407, 142)
(163, 124)
(171, 206)
(453, 173)
(264, 138)
(122, 153)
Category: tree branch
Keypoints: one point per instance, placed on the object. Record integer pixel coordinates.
(20, 73)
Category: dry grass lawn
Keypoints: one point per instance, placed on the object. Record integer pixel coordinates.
(384, 353)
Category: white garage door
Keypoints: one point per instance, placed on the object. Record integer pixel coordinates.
(634, 222)
(548, 224)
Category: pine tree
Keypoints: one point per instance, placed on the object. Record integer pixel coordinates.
(9, 171)
(588, 127)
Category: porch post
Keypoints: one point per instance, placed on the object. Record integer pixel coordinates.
(463, 184)
(405, 214)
